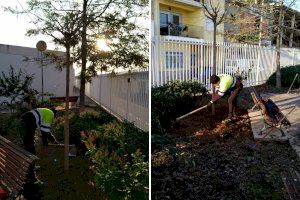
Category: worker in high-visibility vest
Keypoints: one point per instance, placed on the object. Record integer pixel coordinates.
(41, 118)
(226, 84)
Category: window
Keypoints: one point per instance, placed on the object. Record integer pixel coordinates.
(174, 59)
(164, 29)
(169, 23)
(209, 24)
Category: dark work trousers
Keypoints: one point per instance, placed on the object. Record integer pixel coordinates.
(46, 136)
(30, 126)
(233, 95)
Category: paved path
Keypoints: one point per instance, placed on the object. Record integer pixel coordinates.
(286, 102)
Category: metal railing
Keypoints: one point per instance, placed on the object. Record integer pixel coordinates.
(183, 30)
(124, 95)
(184, 59)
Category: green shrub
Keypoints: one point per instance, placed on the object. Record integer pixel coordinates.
(172, 100)
(78, 123)
(287, 76)
(7, 123)
(119, 152)
(123, 181)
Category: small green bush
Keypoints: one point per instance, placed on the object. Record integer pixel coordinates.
(287, 76)
(78, 123)
(172, 100)
(7, 123)
(119, 152)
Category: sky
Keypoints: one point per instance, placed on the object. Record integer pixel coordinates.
(13, 27)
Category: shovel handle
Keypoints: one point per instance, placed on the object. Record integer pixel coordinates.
(190, 113)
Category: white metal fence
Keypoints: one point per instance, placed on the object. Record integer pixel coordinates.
(124, 95)
(191, 59)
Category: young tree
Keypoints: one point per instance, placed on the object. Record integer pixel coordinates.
(216, 14)
(60, 20)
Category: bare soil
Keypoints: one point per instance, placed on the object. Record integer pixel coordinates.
(222, 161)
(77, 183)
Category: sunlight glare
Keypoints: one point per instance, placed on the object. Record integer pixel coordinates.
(102, 45)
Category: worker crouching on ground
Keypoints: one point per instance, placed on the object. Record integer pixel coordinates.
(226, 84)
(41, 118)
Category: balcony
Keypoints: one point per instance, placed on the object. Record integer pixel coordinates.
(182, 30)
(194, 3)
(173, 29)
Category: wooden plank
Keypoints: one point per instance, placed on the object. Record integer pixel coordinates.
(17, 150)
(6, 154)
(26, 153)
(19, 170)
(9, 182)
(9, 168)
(14, 165)
(62, 99)
(20, 180)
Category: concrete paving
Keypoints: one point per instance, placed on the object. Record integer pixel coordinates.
(289, 105)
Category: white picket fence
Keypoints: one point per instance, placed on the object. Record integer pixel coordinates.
(125, 96)
(185, 59)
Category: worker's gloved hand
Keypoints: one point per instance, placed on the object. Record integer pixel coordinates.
(215, 97)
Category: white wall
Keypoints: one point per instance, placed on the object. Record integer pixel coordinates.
(54, 80)
(289, 56)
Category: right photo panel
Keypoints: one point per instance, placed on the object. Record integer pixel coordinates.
(225, 85)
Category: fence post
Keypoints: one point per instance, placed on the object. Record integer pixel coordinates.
(258, 63)
(128, 95)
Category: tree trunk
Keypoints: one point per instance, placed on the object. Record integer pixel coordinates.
(213, 109)
(83, 56)
(66, 125)
(278, 45)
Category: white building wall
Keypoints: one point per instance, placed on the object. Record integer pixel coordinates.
(289, 56)
(54, 79)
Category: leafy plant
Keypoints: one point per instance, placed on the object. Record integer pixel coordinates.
(287, 76)
(119, 152)
(16, 87)
(171, 100)
(80, 123)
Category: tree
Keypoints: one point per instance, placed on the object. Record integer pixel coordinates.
(16, 86)
(108, 19)
(77, 29)
(216, 14)
(275, 12)
(60, 20)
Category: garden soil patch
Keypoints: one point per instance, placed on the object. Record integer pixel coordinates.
(218, 163)
(77, 183)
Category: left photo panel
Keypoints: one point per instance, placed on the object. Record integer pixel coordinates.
(74, 99)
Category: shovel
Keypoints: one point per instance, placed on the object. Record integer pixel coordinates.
(192, 112)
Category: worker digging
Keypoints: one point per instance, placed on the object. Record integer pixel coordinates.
(226, 85)
(40, 118)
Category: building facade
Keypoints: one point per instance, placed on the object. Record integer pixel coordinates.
(29, 61)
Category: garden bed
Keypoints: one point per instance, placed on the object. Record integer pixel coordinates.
(217, 162)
